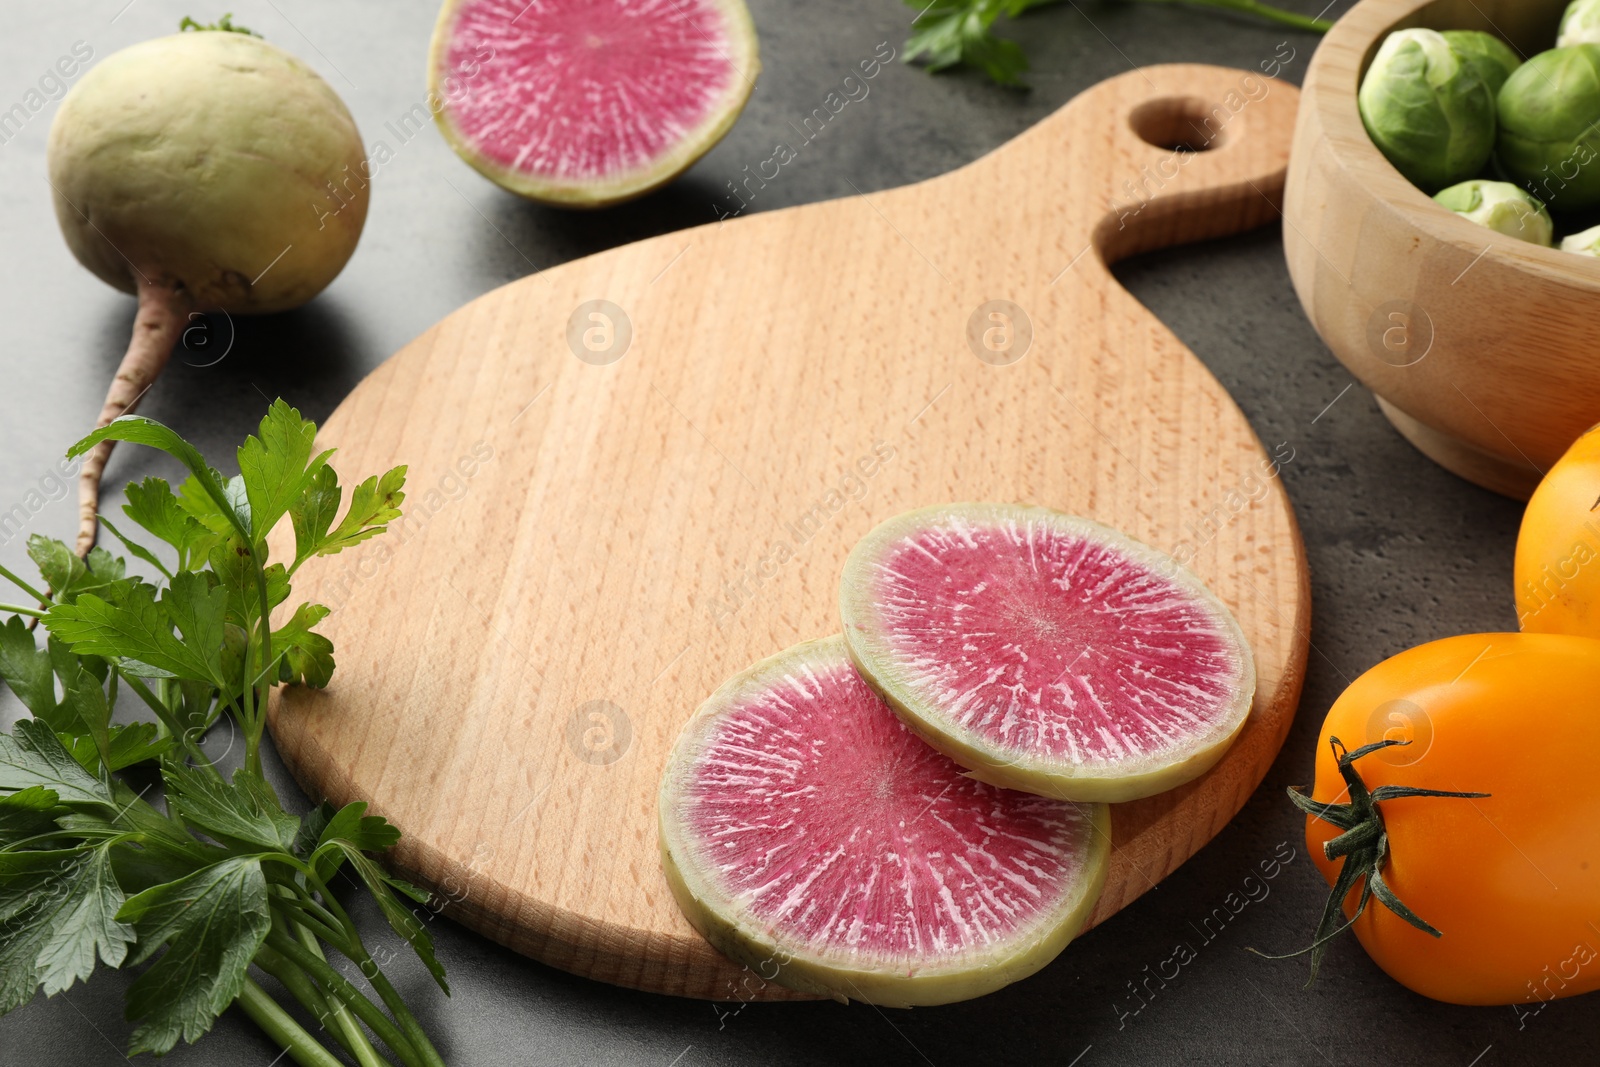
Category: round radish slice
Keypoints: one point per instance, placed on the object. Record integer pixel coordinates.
(807, 833)
(589, 102)
(1046, 652)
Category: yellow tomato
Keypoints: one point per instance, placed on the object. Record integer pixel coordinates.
(1558, 548)
(1512, 880)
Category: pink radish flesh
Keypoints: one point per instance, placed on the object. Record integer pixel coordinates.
(838, 828)
(1040, 638)
(584, 89)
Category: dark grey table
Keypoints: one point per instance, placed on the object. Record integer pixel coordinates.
(1401, 552)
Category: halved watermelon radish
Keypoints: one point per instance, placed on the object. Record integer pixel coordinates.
(807, 833)
(589, 102)
(1046, 652)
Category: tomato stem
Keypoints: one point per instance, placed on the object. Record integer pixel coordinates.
(1364, 844)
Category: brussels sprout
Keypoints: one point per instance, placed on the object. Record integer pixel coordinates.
(1586, 243)
(1581, 24)
(1487, 54)
(1501, 207)
(1549, 139)
(1429, 112)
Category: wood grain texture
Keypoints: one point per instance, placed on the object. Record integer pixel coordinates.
(635, 532)
(1480, 346)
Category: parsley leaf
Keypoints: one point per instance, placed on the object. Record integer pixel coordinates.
(307, 656)
(221, 517)
(57, 563)
(373, 505)
(86, 702)
(26, 668)
(136, 429)
(198, 611)
(312, 824)
(241, 814)
(31, 672)
(57, 913)
(69, 576)
(137, 549)
(27, 812)
(31, 755)
(314, 512)
(139, 630)
(125, 746)
(212, 922)
(277, 466)
(204, 639)
(949, 33)
(153, 506)
(351, 825)
(231, 562)
(85, 925)
(371, 833)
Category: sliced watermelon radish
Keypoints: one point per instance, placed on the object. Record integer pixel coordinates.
(589, 102)
(1046, 652)
(807, 833)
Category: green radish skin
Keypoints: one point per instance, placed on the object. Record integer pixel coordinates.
(728, 919)
(747, 944)
(1021, 767)
(204, 171)
(449, 86)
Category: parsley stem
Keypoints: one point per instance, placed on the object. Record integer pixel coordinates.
(408, 1022)
(267, 1014)
(157, 832)
(337, 985)
(259, 711)
(163, 713)
(148, 697)
(1260, 10)
(255, 726)
(24, 586)
(329, 1012)
(35, 612)
(105, 840)
(350, 945)
(303, 913)
(299, 985)
(391, 997)
(353, 1037)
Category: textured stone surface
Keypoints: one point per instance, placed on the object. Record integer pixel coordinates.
(1400, 551)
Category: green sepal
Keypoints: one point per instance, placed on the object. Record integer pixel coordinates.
(1364, 846)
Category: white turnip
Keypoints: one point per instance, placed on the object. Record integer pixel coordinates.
(205, 171)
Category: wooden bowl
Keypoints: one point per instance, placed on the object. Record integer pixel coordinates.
(1482, 349)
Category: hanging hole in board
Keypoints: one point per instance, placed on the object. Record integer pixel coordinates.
(1181, 124)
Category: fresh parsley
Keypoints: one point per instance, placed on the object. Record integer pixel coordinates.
(952, 33)
(224, 882)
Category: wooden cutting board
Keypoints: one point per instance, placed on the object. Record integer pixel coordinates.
(635, 474)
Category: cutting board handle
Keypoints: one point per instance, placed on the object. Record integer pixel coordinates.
(1195, 152)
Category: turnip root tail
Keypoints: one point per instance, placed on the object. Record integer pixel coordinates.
(156, 330)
